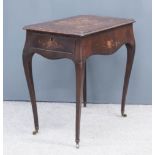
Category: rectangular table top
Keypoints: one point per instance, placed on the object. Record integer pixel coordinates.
(79, 25)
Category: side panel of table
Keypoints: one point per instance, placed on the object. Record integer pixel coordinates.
(108, 42)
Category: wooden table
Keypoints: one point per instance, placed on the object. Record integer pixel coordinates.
(77, 38)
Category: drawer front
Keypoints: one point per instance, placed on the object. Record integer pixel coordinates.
(53, 42)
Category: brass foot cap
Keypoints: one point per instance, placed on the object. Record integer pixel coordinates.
(77, 146)
(124, 115)
(35, 132)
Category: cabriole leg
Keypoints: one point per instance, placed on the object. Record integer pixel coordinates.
(130, 58)
(27, 63)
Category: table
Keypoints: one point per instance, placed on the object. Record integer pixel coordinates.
(77, 38)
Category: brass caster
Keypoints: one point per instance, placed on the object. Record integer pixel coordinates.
(35, 132)
(77, 146)
(124, 115)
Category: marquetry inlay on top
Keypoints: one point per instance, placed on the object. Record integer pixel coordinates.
(79, 25)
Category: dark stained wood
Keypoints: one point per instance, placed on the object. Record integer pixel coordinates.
(85, 86)
(53, 42)
(130, 58)
(79, 67)
(77, 38)
(79, 25)
(27, 63)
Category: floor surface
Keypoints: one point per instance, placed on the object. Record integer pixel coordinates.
(103, 130)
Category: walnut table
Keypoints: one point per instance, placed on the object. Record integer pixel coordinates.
(77, 38)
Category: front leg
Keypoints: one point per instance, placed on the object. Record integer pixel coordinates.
(27, 63)
(130, 58)
(79, 68)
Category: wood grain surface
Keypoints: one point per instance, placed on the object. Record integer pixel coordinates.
(79, 25)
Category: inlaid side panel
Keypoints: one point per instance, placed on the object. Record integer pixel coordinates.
(108, 41)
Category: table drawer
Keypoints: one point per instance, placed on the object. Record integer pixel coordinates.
(53, 42)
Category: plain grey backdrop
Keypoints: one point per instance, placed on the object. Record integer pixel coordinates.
(55, 79)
